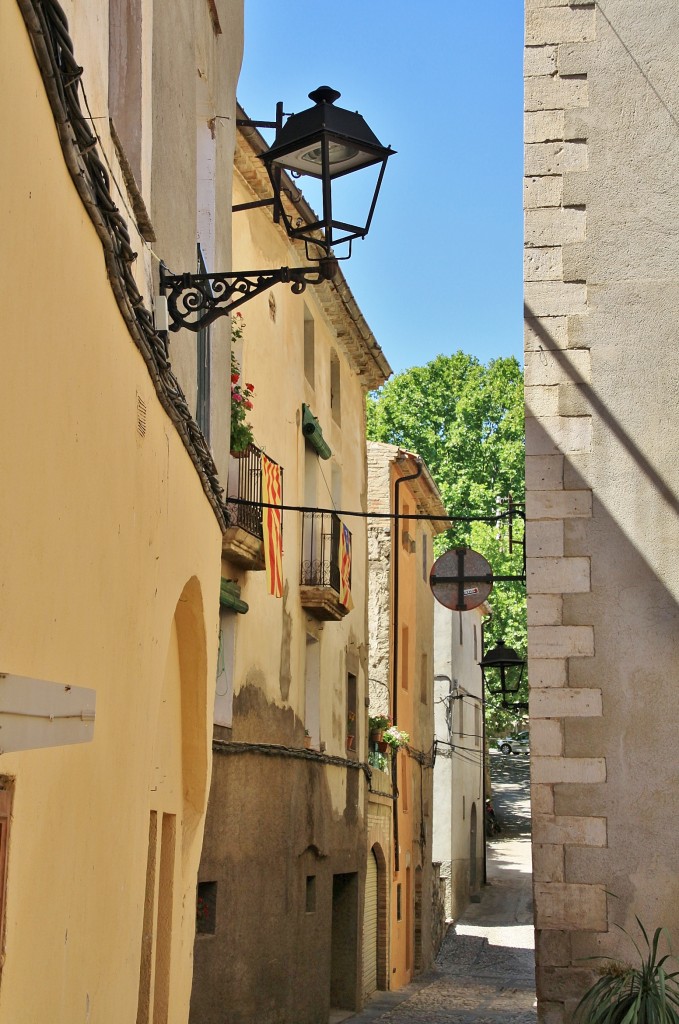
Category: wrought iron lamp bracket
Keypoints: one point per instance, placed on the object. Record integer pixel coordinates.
(196, 300)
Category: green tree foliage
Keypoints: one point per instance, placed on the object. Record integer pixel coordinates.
(466, 420)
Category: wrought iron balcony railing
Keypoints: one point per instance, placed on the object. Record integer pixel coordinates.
(320, 550)
(245, 483)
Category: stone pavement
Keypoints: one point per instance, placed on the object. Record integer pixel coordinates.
(485, 972)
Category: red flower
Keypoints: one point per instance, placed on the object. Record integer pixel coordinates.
(235, 377)
(247, 403)
(250, 387)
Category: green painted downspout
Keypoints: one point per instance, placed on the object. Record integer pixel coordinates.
(229, 597)
(311, 429)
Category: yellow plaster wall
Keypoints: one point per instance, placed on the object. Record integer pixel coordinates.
(273, 360)
(107, 539)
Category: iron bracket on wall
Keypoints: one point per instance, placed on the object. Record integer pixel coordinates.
(196, 300)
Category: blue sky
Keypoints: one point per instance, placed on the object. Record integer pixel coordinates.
(440, 82)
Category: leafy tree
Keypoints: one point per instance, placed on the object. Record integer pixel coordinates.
(466, 420)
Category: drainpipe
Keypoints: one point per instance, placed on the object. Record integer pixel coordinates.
(394, 664)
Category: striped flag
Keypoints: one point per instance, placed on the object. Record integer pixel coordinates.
(345, 568)
(271, 522)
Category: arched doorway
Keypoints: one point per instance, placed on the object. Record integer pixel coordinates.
(370, 929)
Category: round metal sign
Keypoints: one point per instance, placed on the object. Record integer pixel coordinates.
(461, 579)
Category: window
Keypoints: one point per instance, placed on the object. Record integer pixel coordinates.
(399, 914)
(309, 347)
(477, 726)
(206, 908)
(312, 686)
(352, 737)
(405, 659)
(424, 678)
(125, 79)
(460, 731)
(310, 894)
(335, 398)
(405, 782)
(204, 358)
(225, 662)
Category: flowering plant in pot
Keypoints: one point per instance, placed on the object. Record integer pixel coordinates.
(241, 404)
(633, 994)
(395, 737)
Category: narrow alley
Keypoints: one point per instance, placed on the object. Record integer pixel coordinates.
(485, 970)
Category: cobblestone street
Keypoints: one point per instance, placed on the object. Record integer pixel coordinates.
(485, 970)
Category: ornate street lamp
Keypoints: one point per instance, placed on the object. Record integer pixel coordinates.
(502, 670)
(326, 142)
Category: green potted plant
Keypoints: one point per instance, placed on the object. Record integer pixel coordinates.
(241, 396)
(626, 994)
(376, 726)
(395, 737)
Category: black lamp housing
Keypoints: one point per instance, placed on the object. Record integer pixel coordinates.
(502, 670)
(325, 142)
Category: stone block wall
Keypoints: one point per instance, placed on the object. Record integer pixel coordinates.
(559, 37)
(601, 337)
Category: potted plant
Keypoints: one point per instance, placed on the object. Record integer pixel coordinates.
(307, 739)
(241, 396)
(377, 724)
(395, 737)
(633, 994)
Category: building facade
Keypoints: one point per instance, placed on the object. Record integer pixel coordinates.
(601, 284)
(112, 519)
(282, 874)
(459, 790)
(401, 689)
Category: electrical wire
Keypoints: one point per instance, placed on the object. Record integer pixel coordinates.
(382, 515)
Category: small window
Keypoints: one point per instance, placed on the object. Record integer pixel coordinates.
(352, 739)
(206, 908)
(398, 902)
(460, 704)
(309, 347)
(405, 782)
(405, 658)
(477, 726)
(335, 397)
(424, 678)
(476, 652)
(310, 894)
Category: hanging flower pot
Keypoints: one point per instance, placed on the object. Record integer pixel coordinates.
(382, 746)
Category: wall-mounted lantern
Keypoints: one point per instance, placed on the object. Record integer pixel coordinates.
(326, 142)
(502, 670)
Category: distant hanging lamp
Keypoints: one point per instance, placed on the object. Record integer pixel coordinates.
(502, 670)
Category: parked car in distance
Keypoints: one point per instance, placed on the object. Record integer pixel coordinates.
(518, 743)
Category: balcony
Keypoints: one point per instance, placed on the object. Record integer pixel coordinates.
(243, 542)
(320, 573)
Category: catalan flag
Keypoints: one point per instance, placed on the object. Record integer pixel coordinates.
(345, 567)
(271, 521)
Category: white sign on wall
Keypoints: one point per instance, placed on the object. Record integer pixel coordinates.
(35, 713)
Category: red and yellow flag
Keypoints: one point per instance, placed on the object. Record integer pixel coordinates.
(271, 522)
(345, 567)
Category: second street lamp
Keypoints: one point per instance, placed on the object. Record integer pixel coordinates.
(502, 670)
